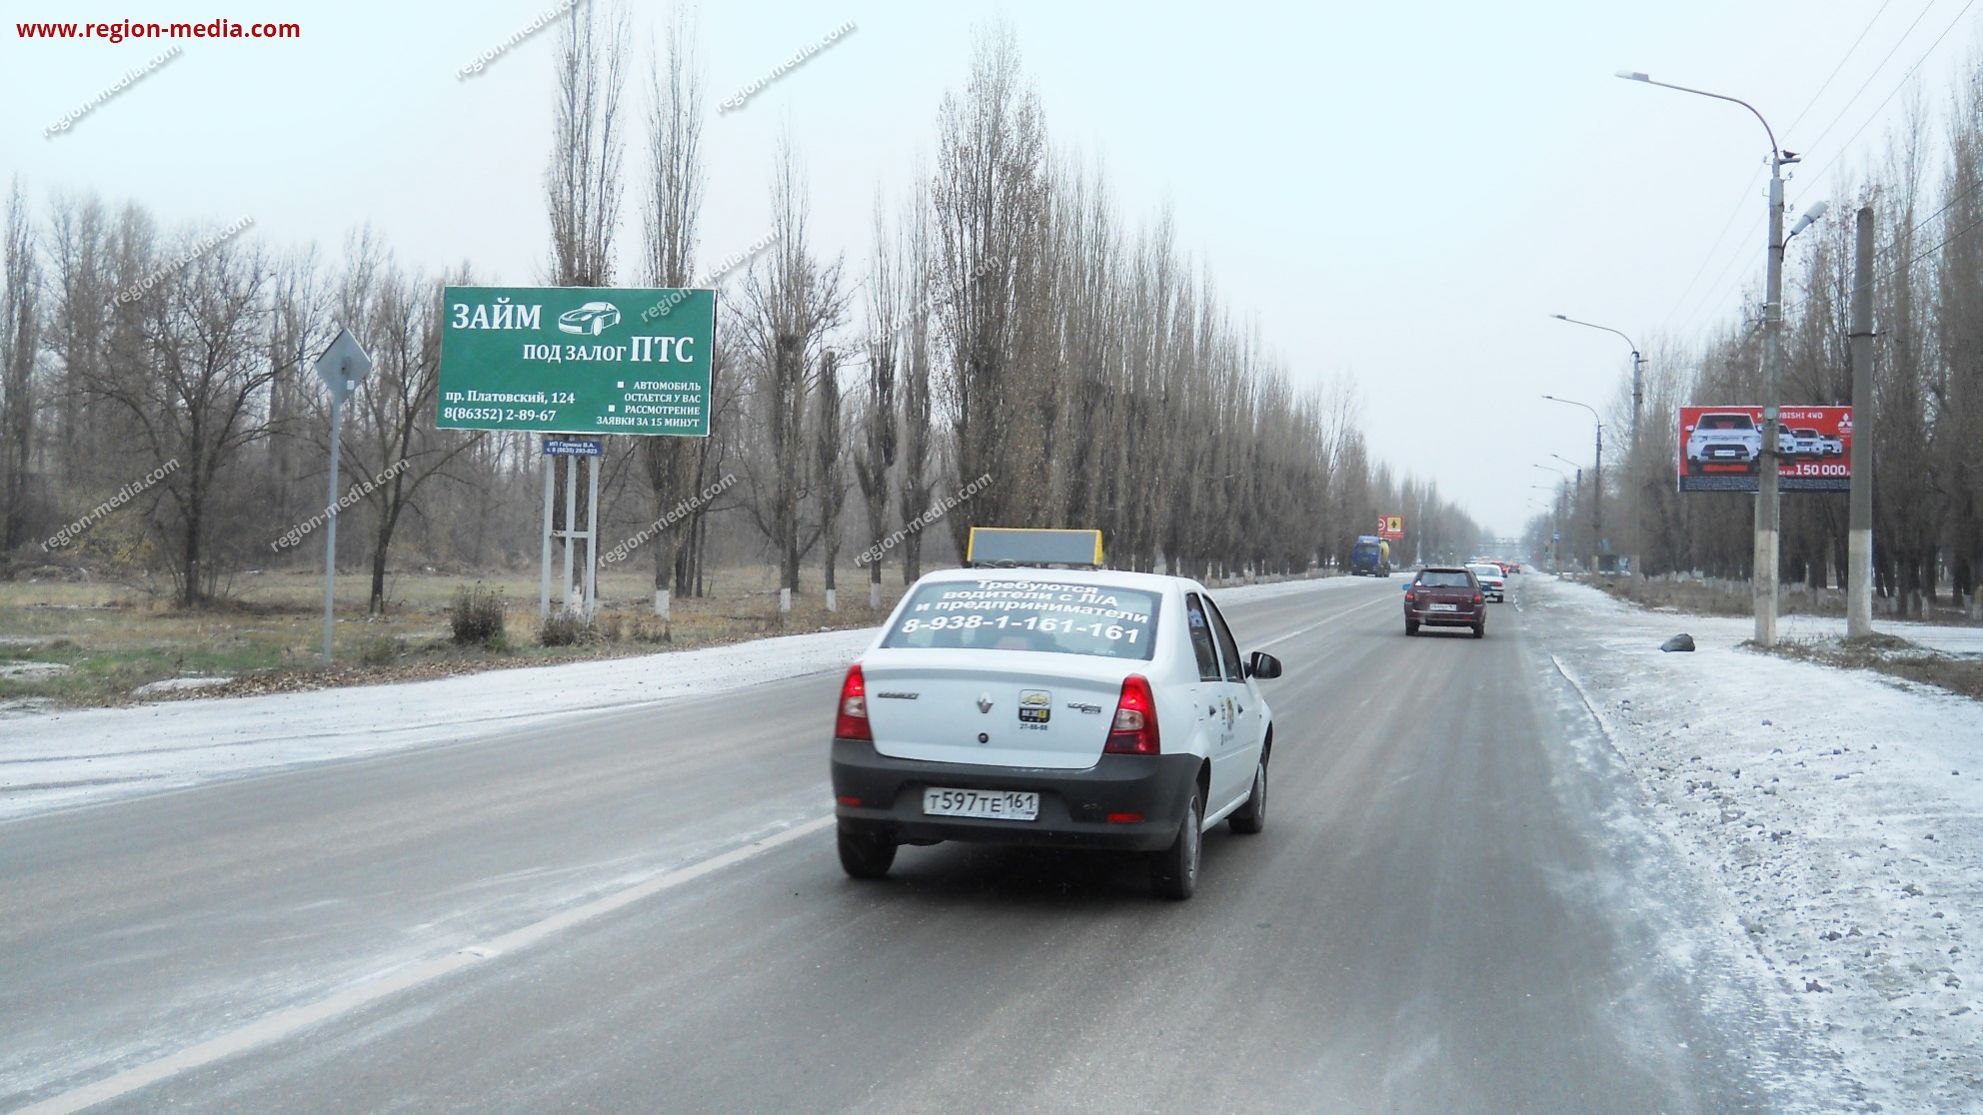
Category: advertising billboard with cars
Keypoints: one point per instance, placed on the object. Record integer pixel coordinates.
(1721, 448)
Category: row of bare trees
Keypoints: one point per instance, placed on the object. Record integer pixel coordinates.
(1923, 443)
(1009, 324)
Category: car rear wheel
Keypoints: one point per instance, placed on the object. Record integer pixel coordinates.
(865, 855)
(1411, 628)
(1480, 630)
(1174, 871)
(1252, 817)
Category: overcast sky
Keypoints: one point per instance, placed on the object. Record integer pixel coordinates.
(1400, 193)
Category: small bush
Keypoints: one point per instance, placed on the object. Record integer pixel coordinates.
(612, 627)
(381, 652)
(566, 629)
(476, 617)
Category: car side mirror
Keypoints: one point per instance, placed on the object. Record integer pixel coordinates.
(1263, 665)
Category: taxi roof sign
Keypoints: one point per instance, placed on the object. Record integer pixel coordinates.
(1027, 546)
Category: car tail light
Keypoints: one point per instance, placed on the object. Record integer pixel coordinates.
(1134, 731)
(852, 721)
(1125, 818)
(1409, 596)
(1476, 598)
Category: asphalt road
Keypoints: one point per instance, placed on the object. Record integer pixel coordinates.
(1449, 911)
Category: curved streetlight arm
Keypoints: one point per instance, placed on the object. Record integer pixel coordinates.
(1606, 328)
(1595, 417)
(1775, 151)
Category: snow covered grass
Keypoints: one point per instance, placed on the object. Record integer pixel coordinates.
(54, 759)
(1840, 814)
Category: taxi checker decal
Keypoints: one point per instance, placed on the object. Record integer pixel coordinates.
(1035, 706)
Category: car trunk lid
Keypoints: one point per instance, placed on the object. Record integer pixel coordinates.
(1033, 709)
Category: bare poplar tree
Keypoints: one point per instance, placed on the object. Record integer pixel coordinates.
(20, 303)
(874, 457)
(673, 205)
(990, 201)
(828, 470)
(582, 183)
(791, 302)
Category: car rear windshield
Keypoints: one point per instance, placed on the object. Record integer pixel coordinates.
(1485, 570)
(1006, 614)
(1727, 422)
(1445, 578)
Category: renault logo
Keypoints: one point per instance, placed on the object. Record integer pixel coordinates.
(984, 702)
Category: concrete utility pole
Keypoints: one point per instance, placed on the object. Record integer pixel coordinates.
(1763, 579)
(1859, 534)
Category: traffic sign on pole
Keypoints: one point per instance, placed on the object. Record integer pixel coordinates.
(343, 366)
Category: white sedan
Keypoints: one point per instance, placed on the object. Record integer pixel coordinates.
(1493, 582)
(1079, 709)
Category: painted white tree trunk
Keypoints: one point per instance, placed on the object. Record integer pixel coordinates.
(874, 597)
(784, 600)
(661, 602)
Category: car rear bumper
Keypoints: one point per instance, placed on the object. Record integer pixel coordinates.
(1446, 619)
(1074, 804)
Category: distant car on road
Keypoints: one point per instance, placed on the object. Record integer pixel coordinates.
(1445, 596)
(1072, 708)
(1493, 582)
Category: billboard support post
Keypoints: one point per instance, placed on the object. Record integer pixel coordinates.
(550, 525)
(1859, 532)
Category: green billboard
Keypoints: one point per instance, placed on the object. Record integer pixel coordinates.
(580, 360)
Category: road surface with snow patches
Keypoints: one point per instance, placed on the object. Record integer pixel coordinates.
(1472, 894)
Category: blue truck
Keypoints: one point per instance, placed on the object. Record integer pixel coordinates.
(1370, 557)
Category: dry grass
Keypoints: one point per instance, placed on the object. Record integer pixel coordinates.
(110, 639)
(1896, 657)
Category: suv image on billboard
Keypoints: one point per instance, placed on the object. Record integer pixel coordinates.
(1724, 438)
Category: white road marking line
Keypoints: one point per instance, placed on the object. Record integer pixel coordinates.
(1325, 622)
(285, 1023)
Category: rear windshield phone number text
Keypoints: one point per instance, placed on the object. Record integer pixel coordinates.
(1114, 632)
(497, 414)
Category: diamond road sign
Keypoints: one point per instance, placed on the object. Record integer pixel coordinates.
(584, 360)
(344, 365)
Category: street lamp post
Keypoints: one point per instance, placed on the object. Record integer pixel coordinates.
(1768, 493)
(1597, 482)
(1632, 457)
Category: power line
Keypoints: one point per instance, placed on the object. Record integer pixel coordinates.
(1902, 84)
(1715, 249)
(1841, 65)
(1847, 106)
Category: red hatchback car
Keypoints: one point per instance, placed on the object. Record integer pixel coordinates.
(1445, 596)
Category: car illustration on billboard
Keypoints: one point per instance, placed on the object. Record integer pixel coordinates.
(1721, 448)
(591, 319)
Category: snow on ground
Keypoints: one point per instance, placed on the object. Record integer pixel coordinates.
(1839, 812)
(55, 759)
